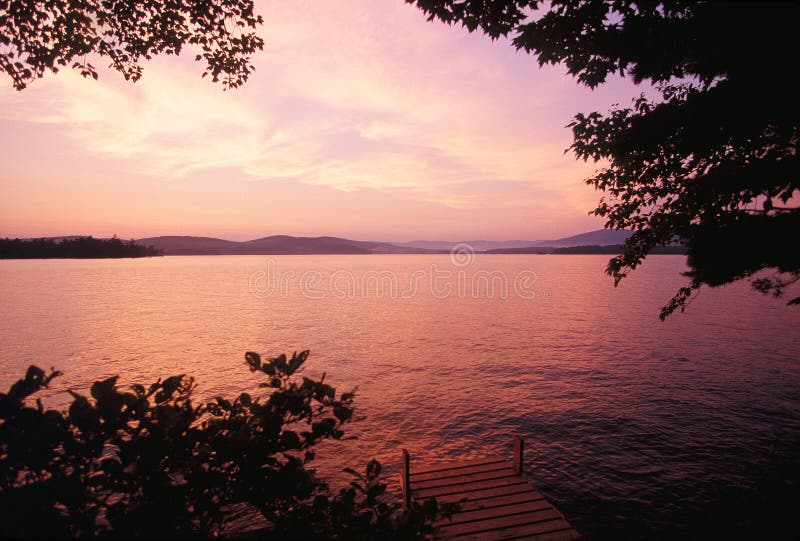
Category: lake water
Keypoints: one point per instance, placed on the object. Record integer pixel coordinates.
(628, 421)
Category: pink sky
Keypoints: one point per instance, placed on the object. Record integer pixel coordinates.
(362, 120)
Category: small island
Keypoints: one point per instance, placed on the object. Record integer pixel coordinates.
(73, 247)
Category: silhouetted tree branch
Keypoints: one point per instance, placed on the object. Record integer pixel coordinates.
(37, 36)
(694, 166)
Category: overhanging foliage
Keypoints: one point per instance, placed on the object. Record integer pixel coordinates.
(713, 164)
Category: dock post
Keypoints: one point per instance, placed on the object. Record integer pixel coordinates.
(406, 481)
(518, 448)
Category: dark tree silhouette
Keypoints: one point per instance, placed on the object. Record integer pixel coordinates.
(37, 36)
(713, 164)
(151, 462)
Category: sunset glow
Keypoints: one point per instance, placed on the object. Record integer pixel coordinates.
(362, 120)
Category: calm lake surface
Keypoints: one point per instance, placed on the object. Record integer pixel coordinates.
(628, 421)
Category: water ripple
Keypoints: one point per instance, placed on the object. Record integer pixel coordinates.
(627, 420)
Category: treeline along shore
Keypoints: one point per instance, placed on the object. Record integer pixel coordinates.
(618, 249)
(74, 247)
(611, 249)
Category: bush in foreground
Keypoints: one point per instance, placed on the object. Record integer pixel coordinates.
(148, 462)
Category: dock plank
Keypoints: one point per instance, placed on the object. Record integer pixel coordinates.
(463, 479)
(466, 470)
(495, 502)
(499, 501)
(483, 494)
(460, 464)
(556, 530)
(468, 487)
(540, 518)
(495, 512)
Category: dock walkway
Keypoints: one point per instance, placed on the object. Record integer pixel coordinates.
(497, 502)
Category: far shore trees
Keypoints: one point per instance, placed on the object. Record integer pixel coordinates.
(73, 247)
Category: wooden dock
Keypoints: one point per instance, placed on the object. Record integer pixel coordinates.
(497, 502)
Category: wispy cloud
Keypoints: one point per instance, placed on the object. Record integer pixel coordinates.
(363, 97)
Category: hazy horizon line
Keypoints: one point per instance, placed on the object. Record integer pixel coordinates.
(304, 236)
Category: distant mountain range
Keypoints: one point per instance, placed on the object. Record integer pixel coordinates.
(609, 239)
(278, 244)
(601, 237)
(284, 244)
(477, 245)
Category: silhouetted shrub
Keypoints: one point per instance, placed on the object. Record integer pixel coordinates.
(148, 462)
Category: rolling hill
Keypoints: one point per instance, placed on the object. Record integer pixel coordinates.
(285, 244)
(273, 245)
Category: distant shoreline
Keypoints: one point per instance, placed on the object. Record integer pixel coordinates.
(602, 242)
(576, 250)
(612, 249)
(74, 248)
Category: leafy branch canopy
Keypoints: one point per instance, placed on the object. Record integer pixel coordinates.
(713, 164)
(37, 36)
